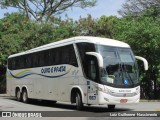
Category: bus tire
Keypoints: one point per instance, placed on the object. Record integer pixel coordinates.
(25, 96)
(79, 104)
(53, 102)
(18, 95)
(111, 107)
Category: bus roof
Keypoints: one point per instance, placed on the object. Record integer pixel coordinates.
(88, 39)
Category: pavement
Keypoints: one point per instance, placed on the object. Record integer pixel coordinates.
(142, 100)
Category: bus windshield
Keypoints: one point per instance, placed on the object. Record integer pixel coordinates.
(120, 67)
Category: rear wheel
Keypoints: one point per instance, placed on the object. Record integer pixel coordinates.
(79, 103)
(24, 96)
(18, 95)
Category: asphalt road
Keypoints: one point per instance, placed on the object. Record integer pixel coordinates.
(66, 110)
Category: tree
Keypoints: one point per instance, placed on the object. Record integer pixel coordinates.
(42, 10)
(102, 26)
(143, 34)
(17, 34)
(86, 26)
(141, 7)
(105, 26)
(140, 27)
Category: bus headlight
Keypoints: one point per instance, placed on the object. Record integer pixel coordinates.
(137, 90)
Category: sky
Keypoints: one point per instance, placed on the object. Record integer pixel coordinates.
(103, 7)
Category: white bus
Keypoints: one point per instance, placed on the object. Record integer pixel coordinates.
(82, 70)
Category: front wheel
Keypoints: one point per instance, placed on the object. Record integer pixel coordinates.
(111, 107)
(79, 103)
(25, 96)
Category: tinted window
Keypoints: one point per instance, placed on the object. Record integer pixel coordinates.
(21, 62)
(68, 56)
(92, 68)
(35, 60)
(72, 57)
(83, 48)
(55, 56)
(41, 58)
(65, 57)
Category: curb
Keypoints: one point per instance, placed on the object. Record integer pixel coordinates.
(149, 100)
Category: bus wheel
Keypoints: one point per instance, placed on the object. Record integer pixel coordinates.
(54, 102)
(24, 96)
(79, 103)
(18, 95)
(111, 107)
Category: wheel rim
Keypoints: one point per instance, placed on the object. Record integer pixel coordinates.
(18, 95)
(77, 101)
(24, 96)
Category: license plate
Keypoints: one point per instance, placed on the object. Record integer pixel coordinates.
(123, 100)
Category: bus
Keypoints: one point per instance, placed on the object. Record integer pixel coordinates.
(83, 70)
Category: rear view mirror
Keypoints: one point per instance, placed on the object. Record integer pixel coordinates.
(144, 62)
(98, 56)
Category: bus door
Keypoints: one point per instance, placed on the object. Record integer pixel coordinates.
(92, 84)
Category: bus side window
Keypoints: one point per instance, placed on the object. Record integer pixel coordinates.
(53, 58)
(21, 62)
(10, 63)
(57, 56)
(46, 58)
(13, 64)
(73, 59)
(28, 61)
(92, 68)
(50, 57)
(82, 49)
(16, 63)
(65, 55)
(41, 58)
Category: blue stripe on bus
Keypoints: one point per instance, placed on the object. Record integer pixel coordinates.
(27, 74)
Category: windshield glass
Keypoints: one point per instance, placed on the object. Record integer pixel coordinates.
(120, 68)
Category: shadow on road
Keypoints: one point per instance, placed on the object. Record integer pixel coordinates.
(93, 109)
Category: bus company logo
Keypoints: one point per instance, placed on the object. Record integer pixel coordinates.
(61, 70)
(53, 69)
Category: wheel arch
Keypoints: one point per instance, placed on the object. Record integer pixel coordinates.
(17, 88)
(25, 88)
(73, 92)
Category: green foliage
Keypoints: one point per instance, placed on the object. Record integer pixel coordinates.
(105, 26)
(86, 26)
(143, 34)
(18, 34)
(140, 27)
